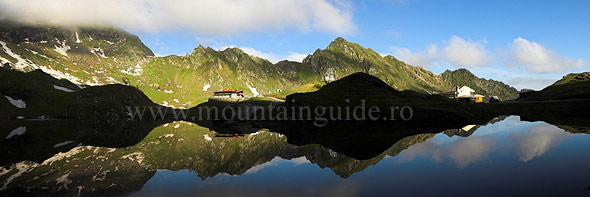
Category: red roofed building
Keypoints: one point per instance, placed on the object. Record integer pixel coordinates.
(228, 94)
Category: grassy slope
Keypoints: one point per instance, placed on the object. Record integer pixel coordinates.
(563, 91)
(106, 56)
(37, 89)
(462, 77)
(308, 87)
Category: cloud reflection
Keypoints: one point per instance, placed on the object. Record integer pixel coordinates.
(526, 140)
(538, 140)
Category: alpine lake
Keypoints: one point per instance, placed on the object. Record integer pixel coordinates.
(506, 156)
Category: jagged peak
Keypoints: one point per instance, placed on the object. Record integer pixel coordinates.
(339, 43)
(202, 50)
(458, 71)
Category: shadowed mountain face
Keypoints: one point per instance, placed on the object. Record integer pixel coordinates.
(39, 140)
(36, 94)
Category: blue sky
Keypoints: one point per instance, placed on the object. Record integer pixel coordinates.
(523, 43)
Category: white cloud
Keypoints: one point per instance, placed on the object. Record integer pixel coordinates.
(219, 17)
(456, 51)
(461, 52)
(536, 58)
(297, 57)
(269, 56)
(418, 58)
(530, 82)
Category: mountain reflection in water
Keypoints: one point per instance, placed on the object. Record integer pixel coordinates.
(506, 156)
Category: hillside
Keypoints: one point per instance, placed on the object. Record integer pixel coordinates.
(489, 87)
(92, 55)
(37, 95)
(193, 77)
(100, 56)
(342, 58)
(571, 86)
(573, 78)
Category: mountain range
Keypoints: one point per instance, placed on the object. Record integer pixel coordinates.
(101, 55)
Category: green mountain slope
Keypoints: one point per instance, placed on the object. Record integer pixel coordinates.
(99, 56)
(345, 58)
(571, 86)
(38, 95)
(194, 77)
(93, 56)
(462, 77)
(573, 78)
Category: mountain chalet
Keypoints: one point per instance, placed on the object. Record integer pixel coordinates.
(463, 93)
(229, 94)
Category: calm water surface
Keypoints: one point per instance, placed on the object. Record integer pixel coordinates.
(508, 157)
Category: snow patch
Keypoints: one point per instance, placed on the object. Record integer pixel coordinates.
(177, 126)
(136, 156)
(78, 38)
(98, 52)
(253, 90)
(60, 156)
(168, 91)
(17, 131)
(63, 49)
(17, 102)
(63, 88)
(63, 180)
(112, 80)
(22, 168)
(167, 135)
(206, 87)
(101, 176)
(20, 117)
(59, 75)
(207, 137)
(20, 62)
(134, 70)
(176, 100)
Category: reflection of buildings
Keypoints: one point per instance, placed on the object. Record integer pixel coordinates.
(466, 131)
(468, 127)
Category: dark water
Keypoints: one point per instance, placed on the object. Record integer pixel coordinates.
(505, 157)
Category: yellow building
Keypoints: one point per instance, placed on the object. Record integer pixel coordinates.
(478, 98)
